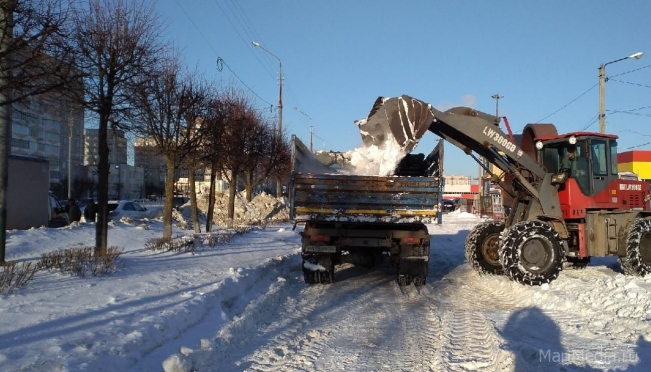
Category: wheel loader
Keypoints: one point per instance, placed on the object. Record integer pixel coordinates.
(568, 203)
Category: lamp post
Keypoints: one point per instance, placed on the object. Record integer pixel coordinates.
(280, 84)
(311, 131)
(119, 186)
(602, 90)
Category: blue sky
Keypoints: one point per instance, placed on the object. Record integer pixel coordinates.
(339, 56)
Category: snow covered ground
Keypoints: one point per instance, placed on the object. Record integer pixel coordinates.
(242, 305)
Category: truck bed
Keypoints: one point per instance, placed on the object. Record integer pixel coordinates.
(316, 195)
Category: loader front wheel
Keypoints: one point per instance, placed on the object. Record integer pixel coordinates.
(531, 253)
(637, 260)
(482, 248)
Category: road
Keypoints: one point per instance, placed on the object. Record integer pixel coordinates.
(459, 321)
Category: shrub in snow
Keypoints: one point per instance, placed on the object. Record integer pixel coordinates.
(13, 276)
(81, 261)
(178, 244)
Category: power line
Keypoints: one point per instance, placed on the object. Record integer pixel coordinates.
(635, 132)
(591, 122)
(220, 61)
(240, 36)
(634, 147)
(569, 103)
(628, 72)
(629, 113)
(630, 83)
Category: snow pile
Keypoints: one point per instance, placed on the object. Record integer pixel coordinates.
(376, 161)
(262, 209)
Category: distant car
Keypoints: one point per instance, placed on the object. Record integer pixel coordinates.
(131, 209)
(178, 201)
(448, 205)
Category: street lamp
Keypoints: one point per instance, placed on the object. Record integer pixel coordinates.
(311, 131)
(280, 84)
(602, 89)
(119, 186)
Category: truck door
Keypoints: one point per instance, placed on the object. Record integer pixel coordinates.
(600, 167)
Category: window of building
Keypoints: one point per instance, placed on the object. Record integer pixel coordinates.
(20, 143)
(35, 132)
(20, 129)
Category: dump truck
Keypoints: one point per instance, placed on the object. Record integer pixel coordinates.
(365, 220)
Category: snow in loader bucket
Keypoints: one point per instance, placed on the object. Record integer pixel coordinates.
(401, 119)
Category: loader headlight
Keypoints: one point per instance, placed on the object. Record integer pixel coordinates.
(572, 140)
(559, 178)
(539, 145)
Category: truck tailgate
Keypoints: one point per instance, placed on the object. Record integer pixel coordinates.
(337, 197)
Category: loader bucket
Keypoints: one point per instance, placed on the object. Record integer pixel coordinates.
(403, 120)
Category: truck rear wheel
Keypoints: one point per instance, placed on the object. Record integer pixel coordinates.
(482, 248)
(531, 253)
(637, 260)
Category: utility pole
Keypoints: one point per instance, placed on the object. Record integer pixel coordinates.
(280, 85)
(311, 131)
(602, 89)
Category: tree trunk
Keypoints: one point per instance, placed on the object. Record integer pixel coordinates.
(249, 186)
(169, 198)
(279, 187)
(101, 228)
(211, 198)
(5, 130)
(232, 191)
(5, 151)
(193, 200)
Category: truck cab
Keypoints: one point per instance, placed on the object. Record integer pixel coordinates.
(588, 161)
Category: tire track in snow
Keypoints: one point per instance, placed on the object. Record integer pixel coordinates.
(470, 340)
(296, 346)
(420, 320)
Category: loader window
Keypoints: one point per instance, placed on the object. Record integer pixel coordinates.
(613, 157)
(599, 163)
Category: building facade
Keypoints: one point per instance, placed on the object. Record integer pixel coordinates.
(148, 157)
(117, 143)
(51, 128)
(636, 161)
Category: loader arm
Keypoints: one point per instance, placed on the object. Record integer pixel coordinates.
(405, 119)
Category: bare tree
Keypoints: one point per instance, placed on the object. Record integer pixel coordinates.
(118, 42)
(266, 154)
(34, 59)
(169, 111)
(236, 142)
(211, 144)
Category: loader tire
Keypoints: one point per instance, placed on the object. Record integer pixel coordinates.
(531, 253)
(482, 248)
(637, 261)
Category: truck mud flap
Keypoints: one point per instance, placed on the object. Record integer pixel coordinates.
(318, 269)
(412, 271)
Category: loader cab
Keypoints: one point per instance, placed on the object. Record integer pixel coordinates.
(589, 158)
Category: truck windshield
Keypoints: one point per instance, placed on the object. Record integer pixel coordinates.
(563, 157)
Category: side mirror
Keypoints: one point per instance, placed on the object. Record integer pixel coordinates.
(559, 178)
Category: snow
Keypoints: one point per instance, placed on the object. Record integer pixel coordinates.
(374, 160)
(242, 305)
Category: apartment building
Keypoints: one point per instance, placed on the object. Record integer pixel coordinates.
(148, 157)
(51, 128)
(117, 143)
